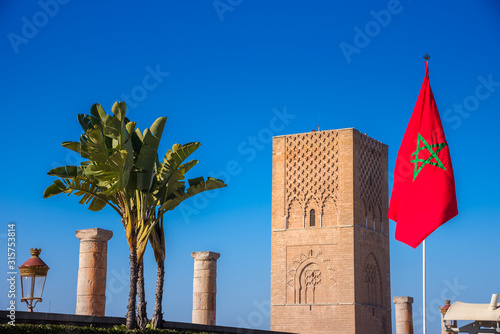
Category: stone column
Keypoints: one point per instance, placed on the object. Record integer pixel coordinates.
(404, 315)
(91, 290)
(204, 287)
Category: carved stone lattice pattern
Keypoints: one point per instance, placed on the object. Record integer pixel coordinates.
(370, 274)
(309, 257)
(371, 176)
(313, 277)
(373, 281)
(311, 168)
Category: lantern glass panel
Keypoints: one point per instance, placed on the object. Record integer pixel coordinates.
(26, 285)
(39, 284)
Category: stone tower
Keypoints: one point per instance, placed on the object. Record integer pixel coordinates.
(330, 270)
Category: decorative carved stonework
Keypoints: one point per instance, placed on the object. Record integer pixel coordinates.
(371, 180)
(311, 170)
(373, 281)
(304, 277)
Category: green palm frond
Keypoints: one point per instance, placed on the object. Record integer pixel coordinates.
(196, 186)
(171, 171)
(111, 174)
(90, 194)
(87, 122)
(174, 158)
(97, 111)
(65, 172)
(93, 146)
(72, 145)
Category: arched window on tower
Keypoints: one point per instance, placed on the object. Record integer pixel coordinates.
(312, 218)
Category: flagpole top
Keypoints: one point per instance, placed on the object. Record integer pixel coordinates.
(426, 57)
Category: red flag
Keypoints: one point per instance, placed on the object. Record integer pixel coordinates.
(423, 194)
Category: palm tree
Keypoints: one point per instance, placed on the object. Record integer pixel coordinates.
(168, 191)
(124, 172)
(163, 190)
(104, 177)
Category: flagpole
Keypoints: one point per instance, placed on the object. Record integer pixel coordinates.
(424, 288)
(424, 280)
(441, 206)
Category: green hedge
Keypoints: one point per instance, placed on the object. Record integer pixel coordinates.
(42, 329)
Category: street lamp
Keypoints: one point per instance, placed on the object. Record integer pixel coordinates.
(33, 275)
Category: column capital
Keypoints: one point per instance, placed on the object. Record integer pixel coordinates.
(94, 234)
(205, 255)
(402, 300)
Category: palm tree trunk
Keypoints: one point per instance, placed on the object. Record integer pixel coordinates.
(142, 316)
(158, 314)
(132, 294)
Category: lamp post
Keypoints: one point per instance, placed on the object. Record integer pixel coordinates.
(33, 275)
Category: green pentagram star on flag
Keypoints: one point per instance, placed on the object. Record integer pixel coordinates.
(437, 162)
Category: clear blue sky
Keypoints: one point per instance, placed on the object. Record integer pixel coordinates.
(218, 75)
